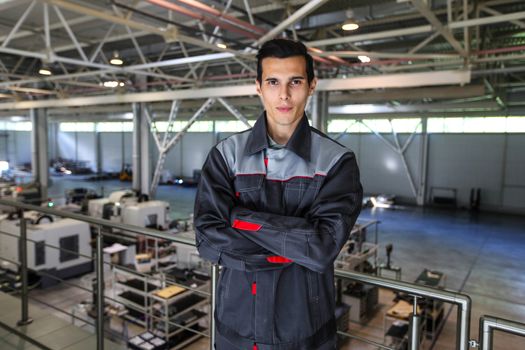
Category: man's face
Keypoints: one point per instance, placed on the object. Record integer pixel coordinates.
(284, 90)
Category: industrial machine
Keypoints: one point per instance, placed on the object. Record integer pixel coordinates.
(55, 246)
(28, 193)
(128, 208)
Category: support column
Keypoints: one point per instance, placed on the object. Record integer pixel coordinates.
(319, 110)
(39, 150)
(135, 158)
(145, 162)
(423, 162)
(98, 152)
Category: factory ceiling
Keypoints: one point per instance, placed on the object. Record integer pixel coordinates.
(411, 52)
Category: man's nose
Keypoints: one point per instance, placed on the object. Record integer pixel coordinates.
(284, 92)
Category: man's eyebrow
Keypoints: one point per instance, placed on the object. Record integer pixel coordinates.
(291, 78)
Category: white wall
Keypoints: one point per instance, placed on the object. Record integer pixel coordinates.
(382, 169)
(22, 146)
(513, 194)
(80, 146)
(111, 151)
(189, 154)
(493, 162)
(468, 161)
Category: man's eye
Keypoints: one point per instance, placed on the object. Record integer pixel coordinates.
(296, 82)
(273, 82)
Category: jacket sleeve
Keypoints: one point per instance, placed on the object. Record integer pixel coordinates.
(315, 240)
(216, 240)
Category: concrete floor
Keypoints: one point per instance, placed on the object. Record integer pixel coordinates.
(481, 255)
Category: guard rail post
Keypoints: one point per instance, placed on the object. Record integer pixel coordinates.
(214, 277)
(487, 325)
(100, 289)
(22, 244)
(464, 305)
(414, 328)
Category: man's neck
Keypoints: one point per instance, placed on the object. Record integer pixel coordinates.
(282, 133)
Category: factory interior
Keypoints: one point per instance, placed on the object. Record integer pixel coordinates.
(109, 108)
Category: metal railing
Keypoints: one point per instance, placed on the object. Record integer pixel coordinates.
(462, 301)
(487, 326)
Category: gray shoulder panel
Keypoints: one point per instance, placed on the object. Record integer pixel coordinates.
(325, 152)
(233, 151)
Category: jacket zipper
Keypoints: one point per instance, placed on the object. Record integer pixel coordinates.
(254, 294)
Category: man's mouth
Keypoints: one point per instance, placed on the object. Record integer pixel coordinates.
(284, 109)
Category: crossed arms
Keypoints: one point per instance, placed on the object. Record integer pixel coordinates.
(245, 239)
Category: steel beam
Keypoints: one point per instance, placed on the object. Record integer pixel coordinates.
(432, 56)
(424, 43)
(417, 30)
(234, 111)
(170, 34)
(438, 26)
(297, 16)
(94, 54)
(70, 33)
(18, 24)
(47, 33)
(396, 80)
(434, 93)
(359, 109)
(358, 83)
(248, 11)
(105, 67)
(165, 147)
(496, 13)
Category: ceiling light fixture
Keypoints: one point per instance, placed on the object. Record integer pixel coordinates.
(350, 25)
(116, 60)
(44, 71)
(222, 45)
(364, 59)
(111, 84)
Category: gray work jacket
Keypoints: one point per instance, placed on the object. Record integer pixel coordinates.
(276, 219)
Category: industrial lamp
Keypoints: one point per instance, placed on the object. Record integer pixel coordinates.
(220, 44)
(363, 58)
(116, 60)
(45, 71)
(350, 25)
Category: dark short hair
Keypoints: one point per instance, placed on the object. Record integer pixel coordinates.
(284, 48)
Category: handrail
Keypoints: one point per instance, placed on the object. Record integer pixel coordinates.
(463, 301)
(100, 222)
(487, 325)
(24, 336)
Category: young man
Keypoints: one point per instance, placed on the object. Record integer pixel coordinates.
(274, 207)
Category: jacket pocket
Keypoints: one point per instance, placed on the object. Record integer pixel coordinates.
(299, 193)
(313, 297)
(248, 190)
(234, 302)
(296, 311)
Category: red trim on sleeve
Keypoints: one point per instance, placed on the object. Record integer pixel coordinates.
(237, 194)
(278, 259)
(254, 288)
(254, 346)
(266, 162)
(245, 225)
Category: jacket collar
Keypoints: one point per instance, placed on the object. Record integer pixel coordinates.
(299, 143)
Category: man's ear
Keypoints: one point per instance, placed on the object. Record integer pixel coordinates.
(258, 87)
(312, 86)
